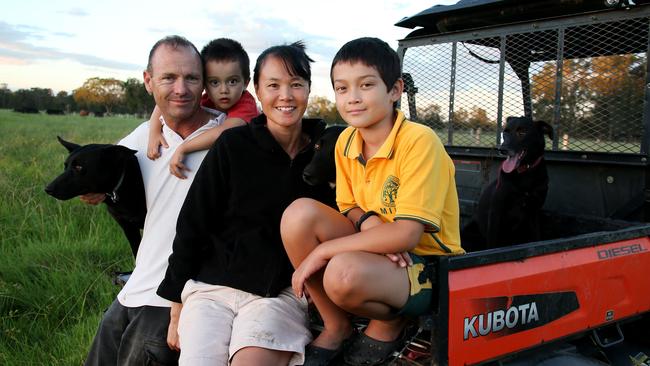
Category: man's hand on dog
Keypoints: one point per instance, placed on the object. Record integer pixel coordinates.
(93, 198)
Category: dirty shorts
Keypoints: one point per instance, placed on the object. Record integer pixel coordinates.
(421, 291)
(217, 321)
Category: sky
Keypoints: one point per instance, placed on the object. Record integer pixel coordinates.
(58, 44)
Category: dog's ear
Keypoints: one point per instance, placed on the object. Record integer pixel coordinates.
(124, 150)
(545, 128)
(68, 145)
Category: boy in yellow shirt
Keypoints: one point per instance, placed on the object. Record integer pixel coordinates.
(398, 205)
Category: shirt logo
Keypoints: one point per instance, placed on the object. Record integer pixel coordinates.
(389, 191)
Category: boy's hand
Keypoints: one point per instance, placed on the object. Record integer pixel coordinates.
(310, 265)
(176, 166)
(92, 198)
(153, 147)
(402, 259)
(172, 331)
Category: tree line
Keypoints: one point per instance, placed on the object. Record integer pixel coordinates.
(600, 98)
(111, 96)
(97, 95)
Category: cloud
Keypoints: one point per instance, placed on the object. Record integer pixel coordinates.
(75, 12)
(15, 48)
(257, 33)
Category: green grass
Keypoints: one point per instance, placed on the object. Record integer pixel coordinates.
(56, 258)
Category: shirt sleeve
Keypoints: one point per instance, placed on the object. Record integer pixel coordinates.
(198, 221)
(436, 172)
(245, 108)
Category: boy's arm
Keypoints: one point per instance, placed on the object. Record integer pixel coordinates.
(155, 135)
(201, 142)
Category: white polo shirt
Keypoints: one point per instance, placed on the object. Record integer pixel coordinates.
(165, 195)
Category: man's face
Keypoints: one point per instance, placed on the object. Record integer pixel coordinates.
(176, 82)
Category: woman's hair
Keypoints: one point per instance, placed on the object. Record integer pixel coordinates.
(293, 56)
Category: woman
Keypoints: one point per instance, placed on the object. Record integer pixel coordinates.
(229, 268)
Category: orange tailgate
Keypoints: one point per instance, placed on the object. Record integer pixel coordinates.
(505, 307)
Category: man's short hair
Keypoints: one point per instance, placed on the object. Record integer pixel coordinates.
(226, 49)
(372, 52)
(174, 42)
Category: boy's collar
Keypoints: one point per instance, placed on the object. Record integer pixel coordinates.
(355, 142)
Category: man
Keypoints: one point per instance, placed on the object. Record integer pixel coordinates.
(133, 330)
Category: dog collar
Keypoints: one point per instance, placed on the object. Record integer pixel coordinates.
(524, 168)
(113, 195)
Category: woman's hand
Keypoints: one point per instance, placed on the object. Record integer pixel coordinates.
(172, 331)
(310, 265)
(176, 166)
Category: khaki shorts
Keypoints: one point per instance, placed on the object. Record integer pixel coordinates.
(217, 321)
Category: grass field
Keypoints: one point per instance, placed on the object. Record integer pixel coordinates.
(56, 258)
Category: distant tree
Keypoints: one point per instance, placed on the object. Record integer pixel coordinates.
(574, 94)
(100, 94)
(26, 99)
(431, 116)
(64, 101)
(321, 107)
(617, 86)
(6, 98)
(136, 98)
(478, 119)
(460, 119)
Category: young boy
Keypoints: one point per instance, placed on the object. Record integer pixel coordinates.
(227, 74)
(398, 206)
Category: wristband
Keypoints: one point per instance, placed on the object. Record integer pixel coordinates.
(363, 218)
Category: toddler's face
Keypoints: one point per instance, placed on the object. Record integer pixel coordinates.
(224, 83)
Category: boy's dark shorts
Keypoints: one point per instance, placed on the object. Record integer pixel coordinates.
(420, 275)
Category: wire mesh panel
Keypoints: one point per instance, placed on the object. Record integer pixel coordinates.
(587, 79)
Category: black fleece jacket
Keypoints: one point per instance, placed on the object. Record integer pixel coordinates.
(228, 230)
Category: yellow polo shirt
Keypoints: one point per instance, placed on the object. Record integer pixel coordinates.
(411, 177)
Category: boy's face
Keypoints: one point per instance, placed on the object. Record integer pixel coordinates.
(224, 83)
(361, 95)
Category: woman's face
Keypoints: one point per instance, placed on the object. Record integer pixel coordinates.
(283, 96)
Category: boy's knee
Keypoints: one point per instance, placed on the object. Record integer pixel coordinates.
(299, 213)
(343, 277)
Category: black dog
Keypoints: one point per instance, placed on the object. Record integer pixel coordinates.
(109, 169)
(508, 211)
(321, 168)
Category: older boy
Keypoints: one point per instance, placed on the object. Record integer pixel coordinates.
(396, 192)
(227, 74)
